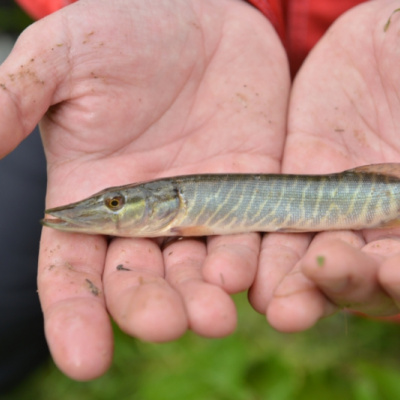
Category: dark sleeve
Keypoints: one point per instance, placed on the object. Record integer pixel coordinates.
(22, 188)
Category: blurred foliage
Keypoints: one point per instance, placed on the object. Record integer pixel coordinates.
(344, 357)
(12, 19)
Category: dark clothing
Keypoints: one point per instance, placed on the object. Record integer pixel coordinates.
(22, 191)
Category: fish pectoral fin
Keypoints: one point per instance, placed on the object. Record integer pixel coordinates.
(394, 223)
(293, 230)
(191, 231)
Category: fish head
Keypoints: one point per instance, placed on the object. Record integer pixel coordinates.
(140, 210)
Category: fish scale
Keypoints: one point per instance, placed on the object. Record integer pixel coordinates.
(211, 204)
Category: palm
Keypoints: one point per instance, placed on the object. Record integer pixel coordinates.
(138, 91)
(147, 103)
(342, 114)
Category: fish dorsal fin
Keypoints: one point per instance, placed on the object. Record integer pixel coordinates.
(388, 169)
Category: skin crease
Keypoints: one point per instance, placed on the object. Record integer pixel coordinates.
(353, 69)
(166, 93)
(156, 101)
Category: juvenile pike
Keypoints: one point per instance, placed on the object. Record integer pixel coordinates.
(193, 205)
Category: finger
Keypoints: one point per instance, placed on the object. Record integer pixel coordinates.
(142, 303)
(211, 312)
(28, 80)
(389, 278)
(279, 254)
(298, 303)
(231, 261)
(77, 325)
(347, 276)
(386, 244)
(375, 235)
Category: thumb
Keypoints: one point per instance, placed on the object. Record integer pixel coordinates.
(29, 78)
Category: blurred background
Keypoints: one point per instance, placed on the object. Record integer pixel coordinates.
(345, 356)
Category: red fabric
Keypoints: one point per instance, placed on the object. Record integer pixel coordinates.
(307, 21)
(303, 21)
(40, 8)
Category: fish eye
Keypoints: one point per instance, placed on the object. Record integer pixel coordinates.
(115, 203)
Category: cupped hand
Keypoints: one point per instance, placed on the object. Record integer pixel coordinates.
(344, 112)
(128, 91)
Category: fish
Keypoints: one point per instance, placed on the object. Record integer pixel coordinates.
(220, 204)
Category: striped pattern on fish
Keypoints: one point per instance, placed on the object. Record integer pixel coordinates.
(208, 204)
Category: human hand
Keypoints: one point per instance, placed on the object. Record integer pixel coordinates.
(344, 112)
(132, 91)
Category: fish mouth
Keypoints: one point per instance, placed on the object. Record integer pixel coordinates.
(52, 221)
(59, 223)
(65, 218)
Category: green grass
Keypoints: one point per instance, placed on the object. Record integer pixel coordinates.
(344, 357)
